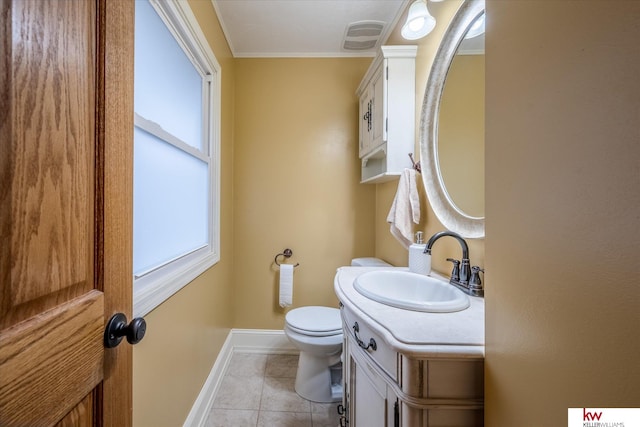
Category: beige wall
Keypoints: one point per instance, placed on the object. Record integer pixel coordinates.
(563, 203)
(387, 247)
(296, 182)
(186, 332)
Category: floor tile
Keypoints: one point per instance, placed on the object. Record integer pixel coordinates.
(239, 393)
(324, 414)
(278, 394)
(247, 364)
(232, 417)
(324, 408)
(282, 365)
(284, 419)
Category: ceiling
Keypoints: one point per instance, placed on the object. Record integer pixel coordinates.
(306, 28)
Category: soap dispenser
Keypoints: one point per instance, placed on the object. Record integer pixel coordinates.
(419, 262)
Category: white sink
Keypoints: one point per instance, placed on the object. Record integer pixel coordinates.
(411, 291)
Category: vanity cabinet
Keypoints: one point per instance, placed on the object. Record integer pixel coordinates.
(421, 391)
(387, 114)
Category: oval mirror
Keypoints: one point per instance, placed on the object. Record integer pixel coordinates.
(452, 125)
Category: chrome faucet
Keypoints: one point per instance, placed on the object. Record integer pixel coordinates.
(463, 276)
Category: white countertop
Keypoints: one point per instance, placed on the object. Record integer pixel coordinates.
(438, 334)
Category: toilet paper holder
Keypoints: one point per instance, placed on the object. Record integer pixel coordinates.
(287, 254)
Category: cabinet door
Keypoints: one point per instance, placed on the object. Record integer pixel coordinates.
(346, 383)
(378, 86)
(365, 115)
(368, 400)
(371, 401)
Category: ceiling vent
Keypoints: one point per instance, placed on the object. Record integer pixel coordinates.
(362, 35)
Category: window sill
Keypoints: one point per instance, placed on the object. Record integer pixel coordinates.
(154, 291)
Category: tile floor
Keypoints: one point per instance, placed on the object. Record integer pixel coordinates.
(258, 391)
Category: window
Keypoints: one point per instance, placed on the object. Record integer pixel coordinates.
(176, 152)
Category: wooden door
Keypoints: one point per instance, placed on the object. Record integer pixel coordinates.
(66, 132)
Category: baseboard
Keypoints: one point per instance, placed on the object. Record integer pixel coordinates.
(238, 341)
(200, 409)
(261, 341)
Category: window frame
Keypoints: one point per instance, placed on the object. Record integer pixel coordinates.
(158, 284)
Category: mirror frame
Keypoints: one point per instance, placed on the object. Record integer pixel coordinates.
(445, 209)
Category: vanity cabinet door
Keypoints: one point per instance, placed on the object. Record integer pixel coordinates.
(368, 397)
(343, 410)
(371, 401)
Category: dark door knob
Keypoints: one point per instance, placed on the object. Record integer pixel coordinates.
(117, 329)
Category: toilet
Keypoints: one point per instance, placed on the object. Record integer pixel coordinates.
(317, 332)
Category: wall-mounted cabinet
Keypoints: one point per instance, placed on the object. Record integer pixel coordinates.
(387, 114)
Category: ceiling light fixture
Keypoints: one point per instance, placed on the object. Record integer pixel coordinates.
(419, 21)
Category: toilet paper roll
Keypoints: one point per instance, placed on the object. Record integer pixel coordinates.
(286, 285)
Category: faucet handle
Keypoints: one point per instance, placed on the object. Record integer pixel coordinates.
(455, 273)
(475, 277)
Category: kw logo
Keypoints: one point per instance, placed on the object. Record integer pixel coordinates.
(590, 416)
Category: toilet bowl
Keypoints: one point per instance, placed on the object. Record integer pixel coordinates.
(317, 332)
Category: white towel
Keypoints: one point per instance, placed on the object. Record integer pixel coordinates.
(286, 285)
(405, 208)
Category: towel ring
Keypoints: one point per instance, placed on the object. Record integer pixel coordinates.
(287, 254)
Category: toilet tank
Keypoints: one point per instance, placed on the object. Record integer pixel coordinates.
(369, 262)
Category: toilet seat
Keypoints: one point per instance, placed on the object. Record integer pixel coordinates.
(315, 321)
